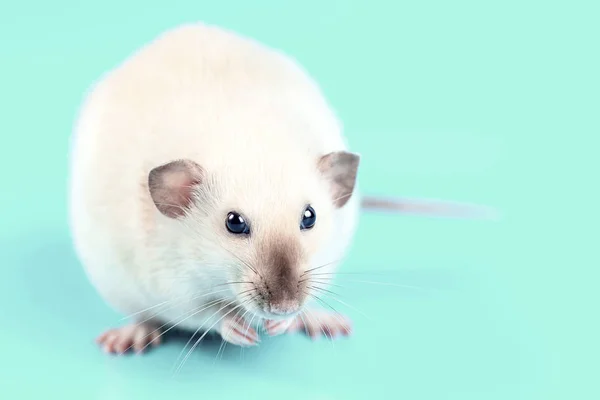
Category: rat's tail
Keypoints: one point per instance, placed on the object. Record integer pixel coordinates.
(428, 207)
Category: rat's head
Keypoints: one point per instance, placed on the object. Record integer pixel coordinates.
(255, 233)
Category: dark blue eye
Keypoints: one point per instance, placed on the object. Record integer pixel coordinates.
(236, 224)
(309, 217)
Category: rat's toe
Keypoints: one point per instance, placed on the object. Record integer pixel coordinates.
(110, 342)
(238, 332)
(123, 344)
(133, 336)
(275, 328)
(329, 324)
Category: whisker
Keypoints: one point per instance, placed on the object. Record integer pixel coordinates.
(195, 311)
(320, 266)
(184, 297)
(323, 290)
(221, 348)
(304, 322)
(320, 300)
(346, 273)
(194, 229)
(201, 325)
(211, 327)
(335, 314)
(245, 263)
(240, 260)
(231, 283)
(346, 304)
(382, 284)
(316, 319)
(146, 309)
(223, 341)
(180, 302)
(246, 333)
(321, 281)
(312, 281)
(302, 318)
(224, 344)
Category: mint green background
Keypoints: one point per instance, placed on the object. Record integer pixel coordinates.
(489, 102)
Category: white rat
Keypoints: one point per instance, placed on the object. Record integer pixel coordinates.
(210, 181)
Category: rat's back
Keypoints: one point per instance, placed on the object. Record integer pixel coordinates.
(197, 92)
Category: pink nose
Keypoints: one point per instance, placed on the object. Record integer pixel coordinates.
(284, 307)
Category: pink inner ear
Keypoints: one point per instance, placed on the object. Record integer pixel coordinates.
(172, 186)
(340, 168)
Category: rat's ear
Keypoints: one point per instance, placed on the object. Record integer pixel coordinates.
(171, 186)
(340, 169)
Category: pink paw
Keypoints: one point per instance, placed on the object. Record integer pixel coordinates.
(237, 331)
(132, 336)
(278, 327)
(317, 322)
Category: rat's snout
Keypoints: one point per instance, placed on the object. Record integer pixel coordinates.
(281, 289)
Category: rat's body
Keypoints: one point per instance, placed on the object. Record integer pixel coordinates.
(241, 115)
(198, 167)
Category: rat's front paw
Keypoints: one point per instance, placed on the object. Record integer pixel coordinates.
(237, 331)
(317, 322)
(133, 336)
(275, 328)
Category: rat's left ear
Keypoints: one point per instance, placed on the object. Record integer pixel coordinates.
(172, 186)
(340, 169)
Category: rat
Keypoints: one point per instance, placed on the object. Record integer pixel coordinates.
(212, 190)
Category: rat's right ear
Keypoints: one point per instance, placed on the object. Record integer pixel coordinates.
(171, 186)
(340, 168)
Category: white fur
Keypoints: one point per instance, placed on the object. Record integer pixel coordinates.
(250, 117)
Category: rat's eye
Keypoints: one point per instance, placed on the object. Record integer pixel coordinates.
(309, 217)
(236, 224)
